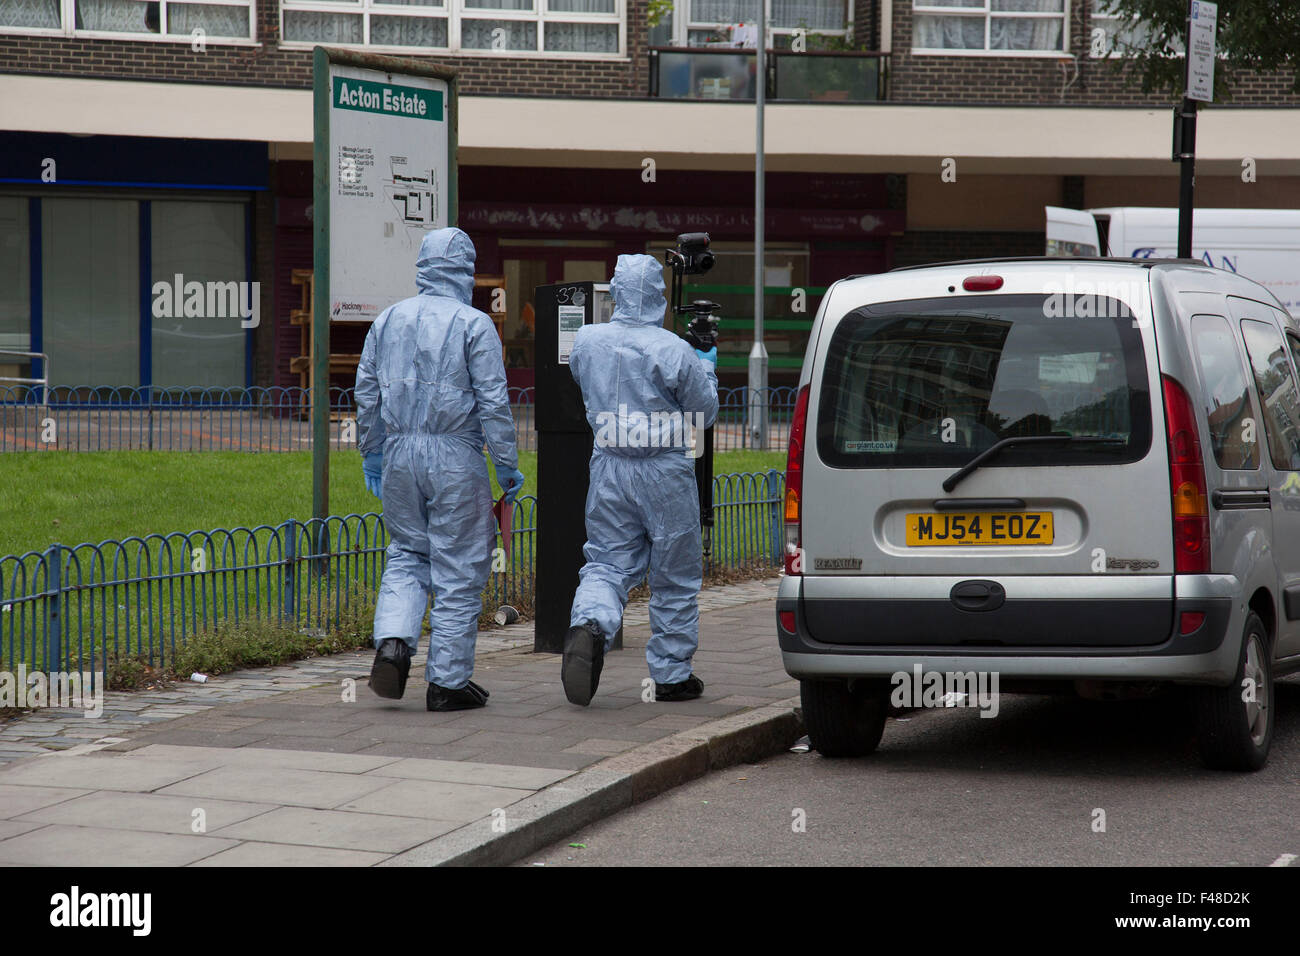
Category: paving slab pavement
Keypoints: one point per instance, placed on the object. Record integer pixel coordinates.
(303, 766)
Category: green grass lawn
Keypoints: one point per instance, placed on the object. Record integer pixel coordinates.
(76, 497)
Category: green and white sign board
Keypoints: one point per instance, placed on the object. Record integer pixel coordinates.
(390, 168)
(384, 175)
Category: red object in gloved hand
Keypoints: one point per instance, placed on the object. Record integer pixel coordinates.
(504, 511)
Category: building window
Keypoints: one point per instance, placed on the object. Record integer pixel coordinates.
(989, 27)
(15, 293)
(715, 21)
(183, 21)
(90, 290)
(1116, 35)
(42, 15)
(88, 309)
(508, 27)
(204, 242)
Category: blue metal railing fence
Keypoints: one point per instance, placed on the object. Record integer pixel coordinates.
(266, 419)
(73, 608)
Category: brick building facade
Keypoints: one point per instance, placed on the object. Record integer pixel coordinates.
(848, 197)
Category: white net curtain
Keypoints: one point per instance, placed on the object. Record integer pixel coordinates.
(32, 14)
(214, 20)
(407, 31)
(117, 16)
(317, 26)
(557, 36)
(784, 14)
(1005, 32)
(131, 16)
(515, 34)
(581, 37)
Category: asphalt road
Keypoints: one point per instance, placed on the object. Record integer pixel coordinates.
(948, 787)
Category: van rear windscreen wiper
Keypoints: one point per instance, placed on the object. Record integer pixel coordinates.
(953, 480)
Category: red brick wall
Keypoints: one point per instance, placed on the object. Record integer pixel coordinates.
(866, 26)
(1010, 79)
(268, 65)
(941, 79)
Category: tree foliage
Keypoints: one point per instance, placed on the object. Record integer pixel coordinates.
(1253, 35)
(658, 11)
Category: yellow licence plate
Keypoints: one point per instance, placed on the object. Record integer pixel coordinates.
(979, 527)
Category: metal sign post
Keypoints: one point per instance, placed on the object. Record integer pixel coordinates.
(1202, 20)
(758, 396)
(385, 174)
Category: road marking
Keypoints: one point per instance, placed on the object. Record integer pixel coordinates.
(1286, 859)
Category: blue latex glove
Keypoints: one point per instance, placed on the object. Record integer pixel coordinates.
(710, 356)
(513, 484)
(372, 467)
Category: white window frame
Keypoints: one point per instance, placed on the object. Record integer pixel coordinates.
(454, 11)
(68, 20)
(987, 14)
(683, 26)
(1107, 21)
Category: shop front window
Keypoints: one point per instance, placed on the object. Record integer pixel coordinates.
(119, 305)
(90, 290)
(15, 292)
(204, 243)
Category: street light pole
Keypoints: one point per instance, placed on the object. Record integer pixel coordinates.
(1186, 176)
(1198, 85)
(758, 397)
(1186, 149)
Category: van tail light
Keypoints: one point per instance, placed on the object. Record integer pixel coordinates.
(794, 485)
(1186, 482)
(982, 283)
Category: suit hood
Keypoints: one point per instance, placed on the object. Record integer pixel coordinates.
(446, 265)
(638, 290)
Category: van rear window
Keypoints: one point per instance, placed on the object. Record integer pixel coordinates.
(933, 382)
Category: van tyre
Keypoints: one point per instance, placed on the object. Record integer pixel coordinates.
(844, 721)
(1234, 733)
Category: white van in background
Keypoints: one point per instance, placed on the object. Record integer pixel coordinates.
(1260, 244)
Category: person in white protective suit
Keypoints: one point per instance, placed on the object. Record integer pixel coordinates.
(645, 389)
(431, 388)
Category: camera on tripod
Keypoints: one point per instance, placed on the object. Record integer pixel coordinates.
(692, 257)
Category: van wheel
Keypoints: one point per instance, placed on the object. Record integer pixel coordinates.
(1234, 733)
(844, 721)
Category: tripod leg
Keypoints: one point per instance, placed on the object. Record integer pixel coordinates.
(704, 485)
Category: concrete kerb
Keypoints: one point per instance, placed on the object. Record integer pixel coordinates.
(614, 784)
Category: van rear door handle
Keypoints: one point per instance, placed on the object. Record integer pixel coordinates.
(1238, 499)
(979, 504)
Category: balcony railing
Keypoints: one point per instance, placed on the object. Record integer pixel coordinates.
(699, 73)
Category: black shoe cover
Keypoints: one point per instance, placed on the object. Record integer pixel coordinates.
(688, 689)
(463, 698)
(584, 657)
(392, 666)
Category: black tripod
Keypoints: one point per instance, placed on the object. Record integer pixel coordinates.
(691, 257)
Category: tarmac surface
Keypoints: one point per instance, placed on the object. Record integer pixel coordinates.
(303, 765)
(1052, 781)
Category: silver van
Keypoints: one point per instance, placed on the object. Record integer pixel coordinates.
(1078, 474)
